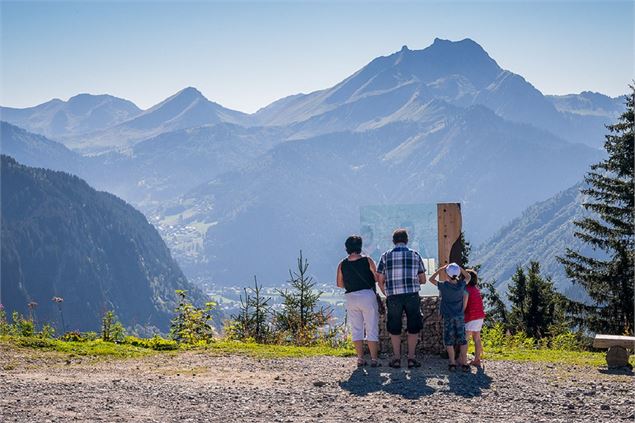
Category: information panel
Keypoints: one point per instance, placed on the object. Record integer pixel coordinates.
(377, 224)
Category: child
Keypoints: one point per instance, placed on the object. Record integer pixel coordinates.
(453, 301)
(474, 315)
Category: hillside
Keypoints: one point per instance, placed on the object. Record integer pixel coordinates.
(543, 232)
(62, 238)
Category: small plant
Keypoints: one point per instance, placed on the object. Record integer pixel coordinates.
(111, 329)
(47, 332)
(72, 336)
(252, 321)
(59, 301)
(5, 327)
(192, 325)
(22, 326)
(90, 336)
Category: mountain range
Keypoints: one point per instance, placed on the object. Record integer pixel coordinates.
(445, 123)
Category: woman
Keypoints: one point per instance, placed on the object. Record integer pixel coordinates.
(356, 274)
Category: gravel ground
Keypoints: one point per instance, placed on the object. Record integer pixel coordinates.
(201, 387)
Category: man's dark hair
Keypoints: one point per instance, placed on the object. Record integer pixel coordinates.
(474, 277)
(353, 244)
(400, 236)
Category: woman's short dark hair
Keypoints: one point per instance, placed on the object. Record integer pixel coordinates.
(400, 236)
(353, 244)
(474, 277)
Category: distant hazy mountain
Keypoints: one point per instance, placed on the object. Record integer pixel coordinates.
(79, 115)
(306, 194)
(400, 86)
(62, 238)
(186, 109)
(37, 150)
(543, 232)
(170, 164)
(588, 103)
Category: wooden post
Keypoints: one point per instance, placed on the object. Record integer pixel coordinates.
(449, 235)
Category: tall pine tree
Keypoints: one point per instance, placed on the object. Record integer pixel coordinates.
(608, 282)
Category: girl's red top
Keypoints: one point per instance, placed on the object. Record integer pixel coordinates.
(474, 309)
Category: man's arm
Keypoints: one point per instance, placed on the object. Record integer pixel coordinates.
(340, 277)
(421, 273)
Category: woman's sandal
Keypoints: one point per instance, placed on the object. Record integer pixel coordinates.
(465, 368)
(361, 362)
(375, 363)
(452, 367)
(413, 363)
(476, 363)
(395, 363)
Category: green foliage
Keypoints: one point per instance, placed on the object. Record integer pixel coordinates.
(21, 326)
(253, 318)
(496, 339)
(47, 332)
(155, 343)
(72, 336)
(495, 309)
(192, 325)
(90, 336)
(611, 192)
(300, 320)
(5, 326)
(111, 329)
(536, 307)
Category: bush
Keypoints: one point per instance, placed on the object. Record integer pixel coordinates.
(90, 336)
(72, 336)
(155, 343)
(111, 329)
(5, 327)
(47, 332)
(192, 324)
(567, 342)
(22, 326)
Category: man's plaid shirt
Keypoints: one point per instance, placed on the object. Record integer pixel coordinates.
(401, 267)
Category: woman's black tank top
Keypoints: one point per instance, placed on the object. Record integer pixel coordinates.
(357, 275)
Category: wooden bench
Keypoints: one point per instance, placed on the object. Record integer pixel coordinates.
(618, 348)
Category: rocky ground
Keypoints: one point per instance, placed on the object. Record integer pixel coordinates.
(196, 386)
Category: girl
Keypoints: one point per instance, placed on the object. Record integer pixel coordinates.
(474, 315)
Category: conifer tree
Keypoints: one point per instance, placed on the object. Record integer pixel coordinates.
(608, 281)
(300, 317)
(259, 319)
(537, 308)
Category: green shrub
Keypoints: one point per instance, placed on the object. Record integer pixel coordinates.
(155, 343)
(33, 342)
(111, 329)
(567, 342)
(22, 326)
(192, 324)
(90, 336)
(5, 327)
(47, 332)
(72, 336)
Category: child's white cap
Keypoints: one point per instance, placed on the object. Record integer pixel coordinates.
(453, 270)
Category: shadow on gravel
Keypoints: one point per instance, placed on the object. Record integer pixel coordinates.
(469, 384)
(413, 384)
(624, 371)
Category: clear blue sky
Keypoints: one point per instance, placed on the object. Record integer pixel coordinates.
(245, 55)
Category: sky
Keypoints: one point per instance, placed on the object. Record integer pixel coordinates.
(245, 55)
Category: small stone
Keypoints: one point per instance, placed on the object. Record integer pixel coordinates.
(605, 407)
(319, 383)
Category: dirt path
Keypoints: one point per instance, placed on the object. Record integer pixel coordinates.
(200, 387)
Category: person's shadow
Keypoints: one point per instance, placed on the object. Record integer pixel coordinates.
(409, 384)
(412, 383)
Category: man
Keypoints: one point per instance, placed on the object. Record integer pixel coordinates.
(400, 274)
